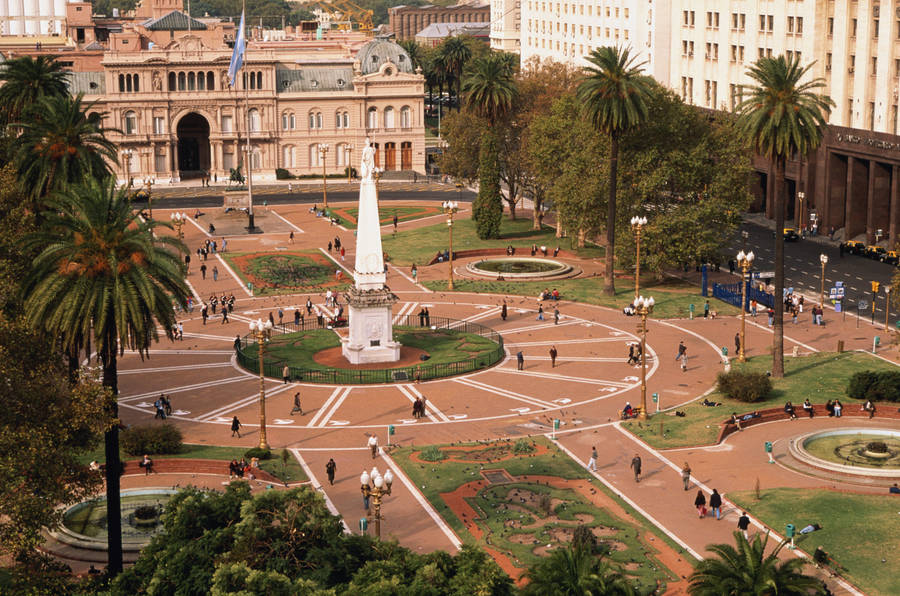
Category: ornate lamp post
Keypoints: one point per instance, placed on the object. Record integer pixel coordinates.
(823, 258)
(376, 487)
(178, 220)
(887, 306)
(637, 223)
(127, 155)
(800, 197)
(149, 183)
(260, 331)
(745, 261)
(323, 151)
(643, 307)
(450, 207)
(347, 150)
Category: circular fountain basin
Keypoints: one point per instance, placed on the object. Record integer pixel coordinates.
(519, 268)
(845, 451)
(84, 524)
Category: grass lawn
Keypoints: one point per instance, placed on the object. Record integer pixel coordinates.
(293, 472)
(517, 524)
(819, 377)
(348, 216)
(673, 297)
(420, 245)
(860, 532)
(286, 272)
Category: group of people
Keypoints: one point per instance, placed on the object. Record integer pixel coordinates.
(635, 351)
(418, 410)
(424, 317)
(337, 246)
(209, 307)
(163, 406)
(547, 294)
(239, 469)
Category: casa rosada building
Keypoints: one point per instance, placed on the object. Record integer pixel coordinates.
(160, 81)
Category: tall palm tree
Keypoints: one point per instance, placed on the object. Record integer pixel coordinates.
(25, 82)
(65, 146)
(748, 570)
(782, 116)
(576, 571)
(490, 92)
(615, 94)
(456, 54)
(415, 52)
(101, 276)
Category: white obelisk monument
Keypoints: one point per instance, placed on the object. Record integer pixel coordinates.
(370, 300)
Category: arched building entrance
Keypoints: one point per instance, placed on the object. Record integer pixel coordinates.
(193, 146)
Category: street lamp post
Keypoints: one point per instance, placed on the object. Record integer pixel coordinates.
(637, 223)
(376, 487)
(127, 153)
(643, 307)
(823, 258)
(348, 149)
(149, 183)
(450, 207)
(887, 305)
(323, 152)
(800, 197)
(178, 220)
(745, 261)
(260, 331)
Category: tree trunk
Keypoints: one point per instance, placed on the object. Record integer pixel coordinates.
(511, 200)
(113, 462)
(581, 236)
(609, 287)
(537, 205)
(778, 337)
(559, 228)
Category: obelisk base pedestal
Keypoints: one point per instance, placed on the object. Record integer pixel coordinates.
(371, 335)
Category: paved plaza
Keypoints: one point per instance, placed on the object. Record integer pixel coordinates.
(586, 390)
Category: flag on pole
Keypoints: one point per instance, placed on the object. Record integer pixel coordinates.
(237, 57)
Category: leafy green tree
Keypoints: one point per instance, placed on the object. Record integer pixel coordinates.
(102, 278)
(746, 568)
(575, 571)
(615, 94)
(26, 82)
(781, 117)
(490, 92)
(65, 147)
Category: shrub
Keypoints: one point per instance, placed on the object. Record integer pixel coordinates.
(432, 453)
(875, 386)
(545, 504)
(145, 512)
(877, 447)
(744, 386)
(352, 172)
(282, 174)
(257, 452)
(487, 208)
(523, 446)
(583, 537)
(151, 439)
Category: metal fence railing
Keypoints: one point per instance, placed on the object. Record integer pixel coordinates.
(247, 355)
(731, 293)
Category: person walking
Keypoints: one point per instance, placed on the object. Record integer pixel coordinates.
(330, 469)
(540, 316)
(215, 273)
(744, 524)
(396, 221)
(520, 360)
(636, 466)
(187, 264)
(373, 445)
(236, 427)
(555, 315)
(715, 503)
(700, 504)
(737, 343)
(343, 253)
(592, 463)
(309, 306)
(297, 407)
(553, 354)
(291, 237)
(503, 311)
(203, 271)
(686, 476)
(682, 355)
(224, 316)
(415, 273)
(286, 374)
(706, 310)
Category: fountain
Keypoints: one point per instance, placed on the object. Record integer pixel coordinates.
(865, 453)
(520, 268)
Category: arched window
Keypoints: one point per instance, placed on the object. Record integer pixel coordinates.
(293, 121)
(210, 81)
(121, 83)
(315, 120)
(314, 155)
(201, 81)
(405, 117)
(346, 118)
(137, 83)
(256, 161)
(182, 81)
(254, 120)
(287, 156)
(285, 121)
(192, 81)
(171, 81)
(318, 119)
(128, 83)
(340, 154)
(259, 80)
(338, 122)
(389, 117)
(372, 121)
(312, 120)
(130, 123)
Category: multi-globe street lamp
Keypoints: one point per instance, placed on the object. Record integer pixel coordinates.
(745, 261)
(643, 307)
(374, 486)
(323, 152)
(178, 220)
(261, 331)
(637, 223)
(823, 258)
(450, 207)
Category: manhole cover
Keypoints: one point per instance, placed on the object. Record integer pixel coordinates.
(496, 476)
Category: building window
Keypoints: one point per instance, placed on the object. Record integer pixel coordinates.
(191, 81)
(256, 159)
(182, 81)
(159, 125)
(340, 154)
(159, 160)
(288, 121)
(210, 81)
(372, 120)
(227, 124)
(227, 158)
(201, 81)
(405, 117)
(254, 120)
(389, 117)
(287, 157)
(172, 81)
(130, 123)
(314, 156)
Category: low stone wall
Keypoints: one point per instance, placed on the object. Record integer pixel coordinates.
(851, 409)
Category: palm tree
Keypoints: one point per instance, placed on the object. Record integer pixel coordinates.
(456, 53)
(415, 52)
(25, 82)
(490, 92)
(101, 276)
(576, 571)
(615, 94)
(66, 146)
(782, 117)
(748, 570)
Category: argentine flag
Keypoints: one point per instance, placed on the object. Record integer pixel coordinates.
(237, 57)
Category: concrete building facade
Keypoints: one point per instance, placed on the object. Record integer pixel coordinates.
(506, 25)
(406, 22)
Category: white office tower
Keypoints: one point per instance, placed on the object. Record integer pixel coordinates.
(32, 17)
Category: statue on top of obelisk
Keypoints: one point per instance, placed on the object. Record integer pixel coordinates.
(367, 167)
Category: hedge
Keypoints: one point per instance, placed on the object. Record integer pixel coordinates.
(744, 386)
(151, 439)
(875, 386)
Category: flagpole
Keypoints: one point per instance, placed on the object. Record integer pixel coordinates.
(251, 227)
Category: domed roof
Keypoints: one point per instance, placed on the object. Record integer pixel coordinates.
(378, 51)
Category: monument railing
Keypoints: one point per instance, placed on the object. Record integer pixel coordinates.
(247, 356)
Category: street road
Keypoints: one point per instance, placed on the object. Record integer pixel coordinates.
(802, 269)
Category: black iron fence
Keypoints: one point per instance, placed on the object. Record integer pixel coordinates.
(247, 355)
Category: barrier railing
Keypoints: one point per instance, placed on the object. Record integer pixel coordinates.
(731, 293)
(424, 371)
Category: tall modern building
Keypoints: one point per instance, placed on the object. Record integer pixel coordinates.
(506, 25)
(32, 17)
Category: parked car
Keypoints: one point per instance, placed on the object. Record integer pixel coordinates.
(791, 235)
(875, 252)
(891, 257)
(854, 247)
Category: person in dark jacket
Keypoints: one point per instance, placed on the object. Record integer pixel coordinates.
(700, 504)
(715, 503)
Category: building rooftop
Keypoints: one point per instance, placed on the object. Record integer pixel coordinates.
(315, 79)
(378, 51)
(175, 21)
